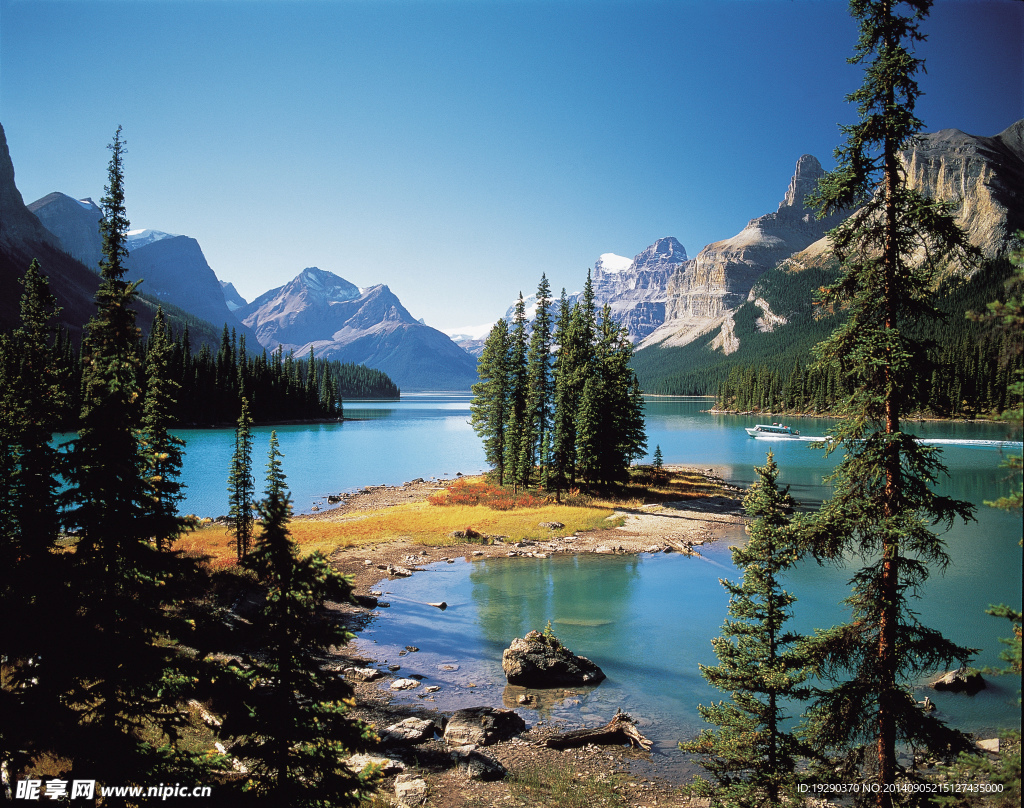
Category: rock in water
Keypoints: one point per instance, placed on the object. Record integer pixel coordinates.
(537, 660)
(482, 726)
(962, 680)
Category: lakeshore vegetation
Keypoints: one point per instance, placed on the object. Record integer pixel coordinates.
(561, 404)
(115, 644)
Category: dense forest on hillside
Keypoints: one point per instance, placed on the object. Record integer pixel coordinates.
(967, 374)
(279, 386)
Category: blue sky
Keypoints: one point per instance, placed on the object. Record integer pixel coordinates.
(455, 150)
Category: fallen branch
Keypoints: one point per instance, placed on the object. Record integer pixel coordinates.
(619, 730)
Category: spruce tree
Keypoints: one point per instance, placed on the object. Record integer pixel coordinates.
(884, 503)
(32, 406)
(540, 384)
(292, 712)
(751, 756)
(519, 425)
(489, 406)
(163, 450)
(241, 485)
(116, 653)
(563, 430)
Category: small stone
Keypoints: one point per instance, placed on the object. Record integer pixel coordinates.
(476, 765)
(404, 684)
(410, 731)
(362, 674)
(357, 763)
(482, 726)
(410, 790)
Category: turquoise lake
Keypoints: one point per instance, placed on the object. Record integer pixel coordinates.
(648, 619)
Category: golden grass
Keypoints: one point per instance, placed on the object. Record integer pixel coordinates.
(418, 523)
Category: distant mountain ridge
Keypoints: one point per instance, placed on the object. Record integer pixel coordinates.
(321, 311)
(761, 282)
(76, 222)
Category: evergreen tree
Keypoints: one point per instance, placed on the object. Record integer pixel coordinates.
(32, 404)
(162, 449)
(293, 713)
(752, 758)
(540, 384)
(609, 422)
(489, 406)
(519, 427)
(241, 485)
(116, 655)
(563, 427)
(884, 501)
(1005, 770)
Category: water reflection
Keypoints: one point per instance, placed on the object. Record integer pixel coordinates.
(582, 599)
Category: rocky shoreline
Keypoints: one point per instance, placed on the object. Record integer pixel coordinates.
(448, 774)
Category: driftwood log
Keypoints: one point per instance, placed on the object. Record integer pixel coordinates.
(619, 730)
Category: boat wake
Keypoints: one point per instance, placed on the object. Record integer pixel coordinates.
(987, 444)
(997, 444)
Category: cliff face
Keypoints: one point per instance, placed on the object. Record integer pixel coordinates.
(637, 294)
(76, 223)
(723, 273)
(18, 225)
(701, 296)
(984, 176)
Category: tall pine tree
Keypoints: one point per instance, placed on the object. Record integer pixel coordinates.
(884, 503)
(751, 756)
(293, 712)
(519, 429)
(163, 450)
(489, 406)
(540, 384)
(117, 652)
(33, 599)
(241, 485)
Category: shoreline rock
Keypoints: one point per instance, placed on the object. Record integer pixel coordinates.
(540, 661)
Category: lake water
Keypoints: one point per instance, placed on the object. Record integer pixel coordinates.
(647, 620)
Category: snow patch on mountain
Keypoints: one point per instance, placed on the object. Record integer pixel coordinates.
(469, 332)
(610, 262)
(140, 238)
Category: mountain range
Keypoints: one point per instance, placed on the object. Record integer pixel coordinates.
(322, 312)
(315, 310)
(666, 300)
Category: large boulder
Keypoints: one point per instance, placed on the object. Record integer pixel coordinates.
(481, 726)
(539, 660)
(962, 680)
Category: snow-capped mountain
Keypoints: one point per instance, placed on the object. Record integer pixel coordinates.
(140, 238)
(320, 310)
(634, 288)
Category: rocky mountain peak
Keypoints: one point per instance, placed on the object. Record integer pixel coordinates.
(666, 250)
(17, 222)
(76, 222)
(804, 181)
(326, 284)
